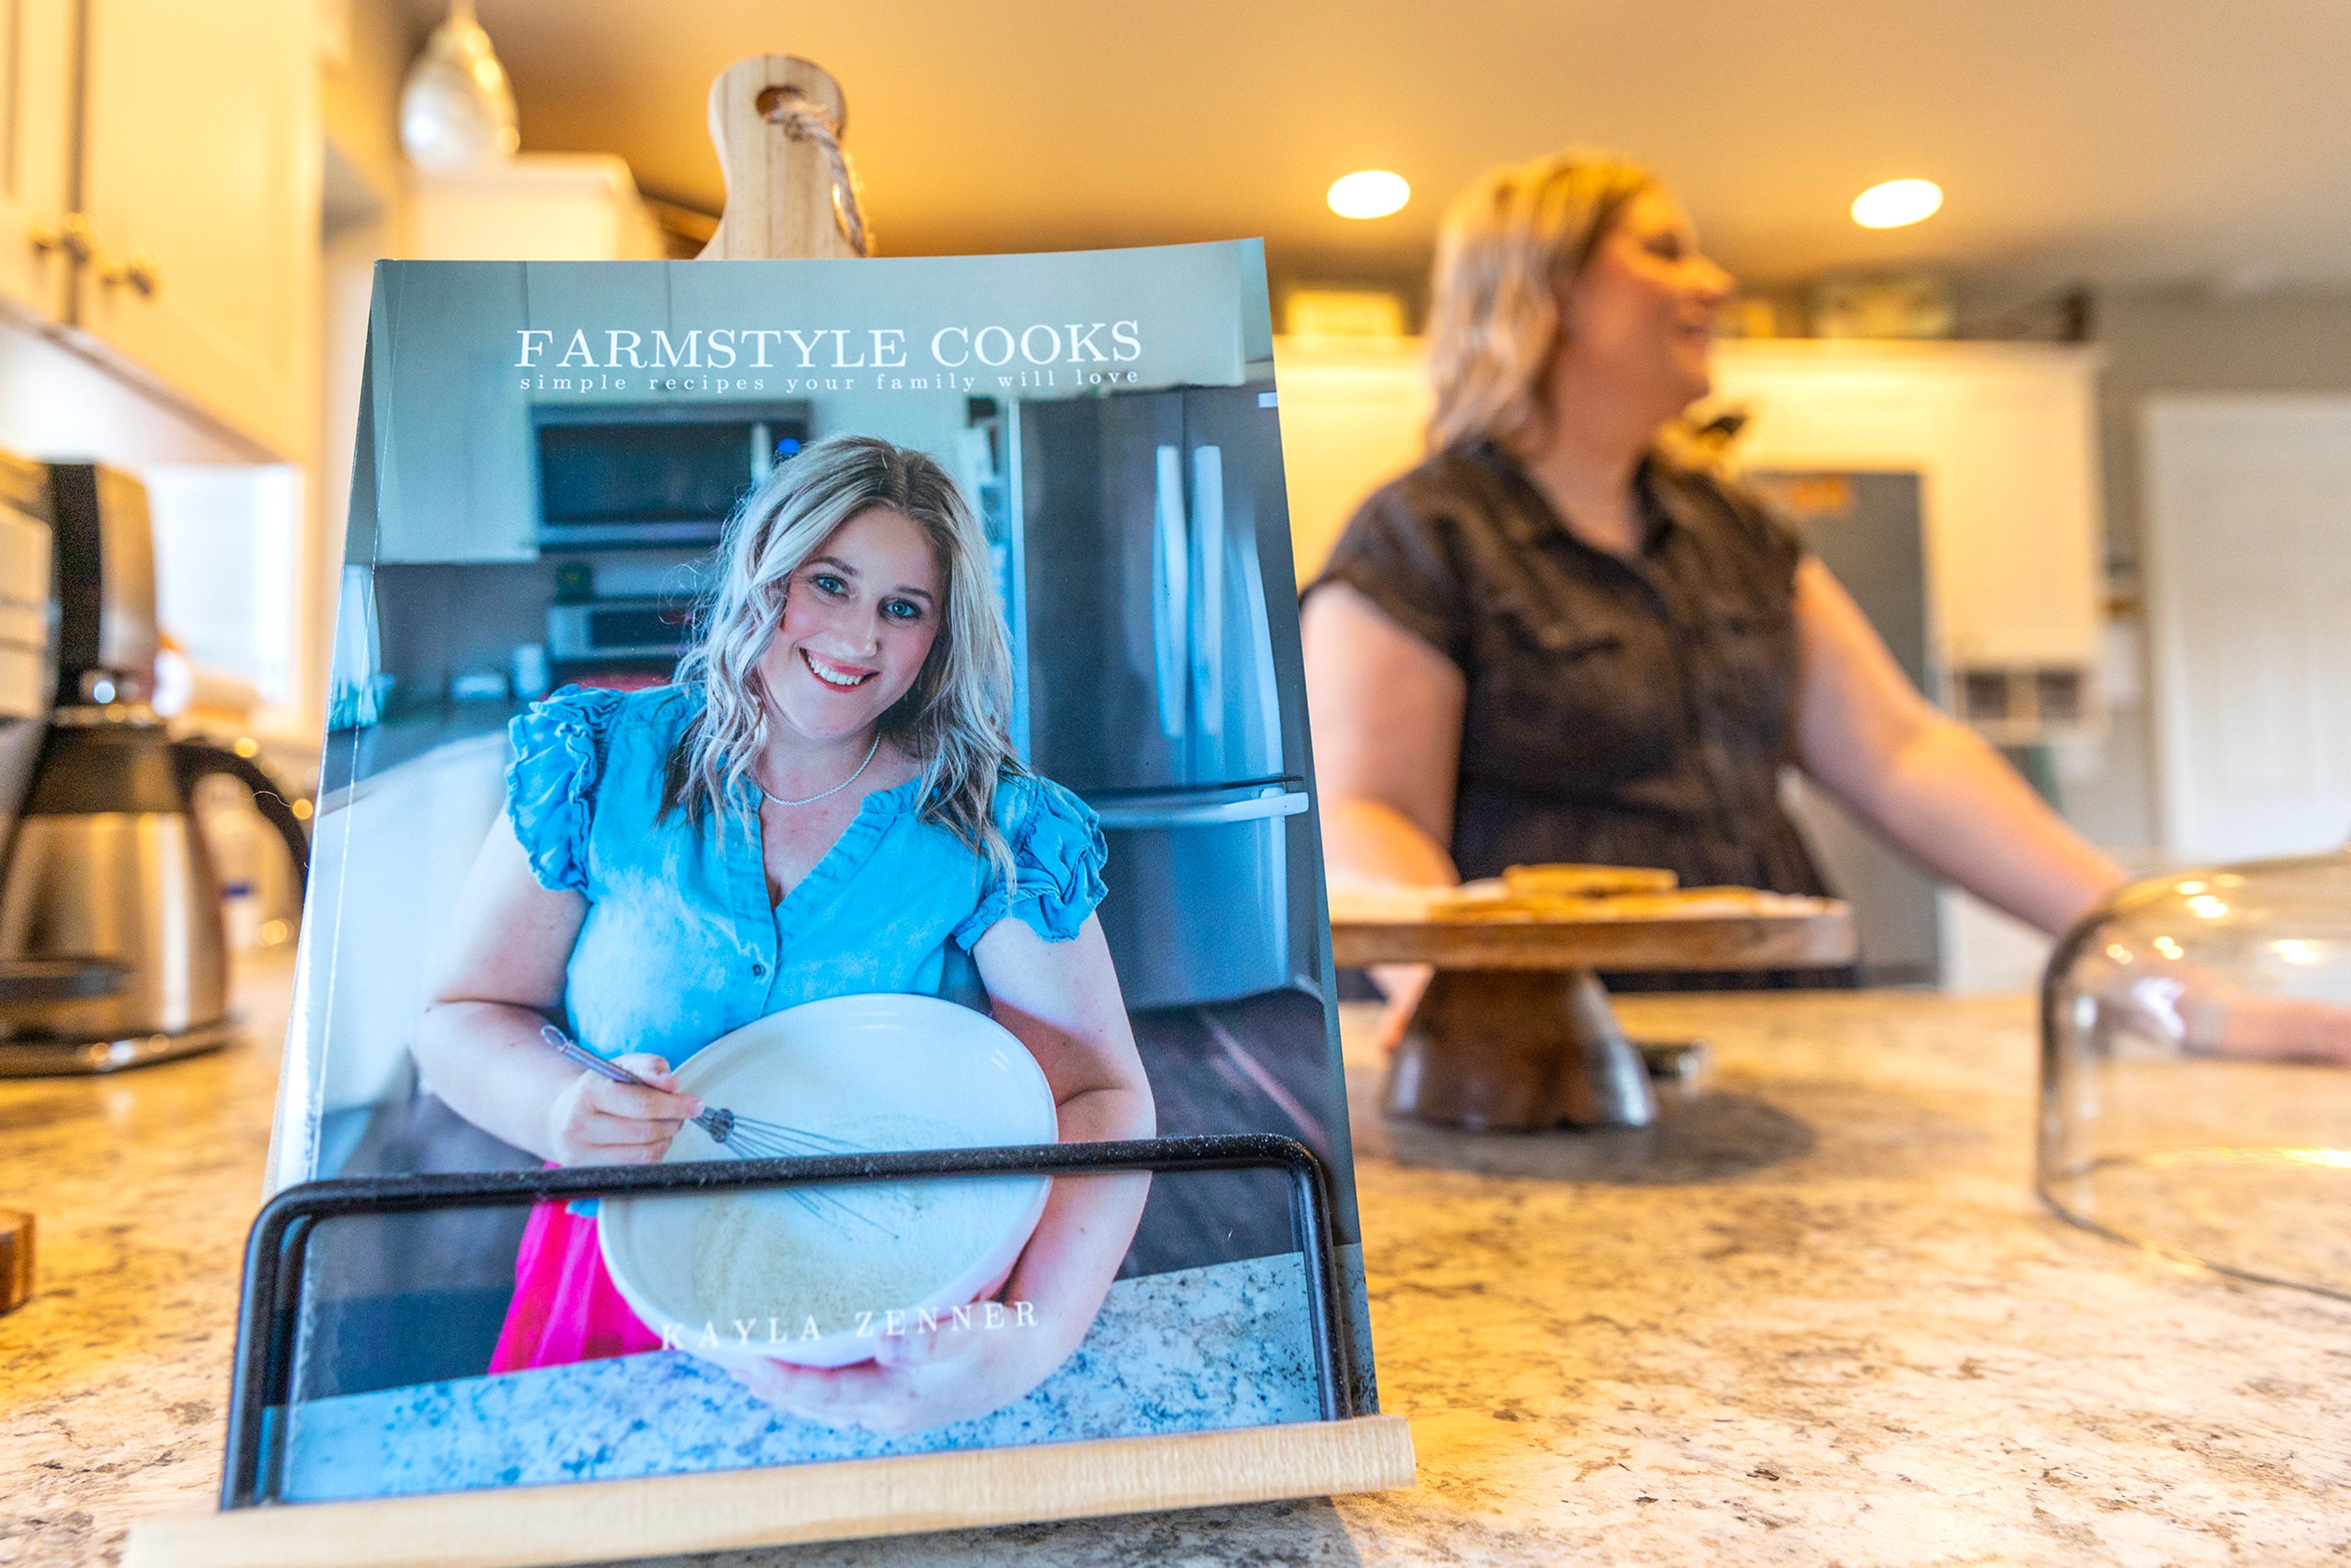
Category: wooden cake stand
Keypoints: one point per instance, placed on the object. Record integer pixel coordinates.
(1515, 1033)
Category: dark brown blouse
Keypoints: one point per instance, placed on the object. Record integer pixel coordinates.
(1623, 713)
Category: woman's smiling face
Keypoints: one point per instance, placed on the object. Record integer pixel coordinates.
(860, 616)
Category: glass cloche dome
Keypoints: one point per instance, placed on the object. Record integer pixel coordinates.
(2196, 1069)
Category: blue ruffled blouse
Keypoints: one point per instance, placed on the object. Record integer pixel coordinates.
(681, 945)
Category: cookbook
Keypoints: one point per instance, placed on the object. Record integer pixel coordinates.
(812, 710)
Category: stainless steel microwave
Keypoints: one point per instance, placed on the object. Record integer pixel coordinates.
(618, 477)
(638, 627)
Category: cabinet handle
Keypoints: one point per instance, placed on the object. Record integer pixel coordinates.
(72, 235)
(140, 270)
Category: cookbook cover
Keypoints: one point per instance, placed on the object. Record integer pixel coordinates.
(805, 707)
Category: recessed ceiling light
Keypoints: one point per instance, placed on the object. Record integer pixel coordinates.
(1897, 202)
(1368, 194)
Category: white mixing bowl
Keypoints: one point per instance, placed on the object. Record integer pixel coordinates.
(745, 1275)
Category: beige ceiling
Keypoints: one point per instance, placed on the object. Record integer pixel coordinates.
(2147, 141)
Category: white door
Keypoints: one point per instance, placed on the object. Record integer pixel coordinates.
(35, 81)
(200, 175)
(2248, 521)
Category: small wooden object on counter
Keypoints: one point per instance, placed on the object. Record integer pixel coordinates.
(775, 120)
(1514, 1033)
(16, 1258)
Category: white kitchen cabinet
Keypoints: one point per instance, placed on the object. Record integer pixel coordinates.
(1353, 411)
(478, 500)
(409, 836)
(2003, 437)
(199, 178)
(35, 76)
(540, 206)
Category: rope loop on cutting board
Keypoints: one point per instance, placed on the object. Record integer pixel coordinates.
(802, 119)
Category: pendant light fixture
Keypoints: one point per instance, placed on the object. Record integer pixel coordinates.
(457, 109)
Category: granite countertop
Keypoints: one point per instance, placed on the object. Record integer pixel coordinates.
(1816, 1316)
(353, 756)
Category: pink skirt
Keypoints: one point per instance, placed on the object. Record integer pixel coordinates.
(565, 1308)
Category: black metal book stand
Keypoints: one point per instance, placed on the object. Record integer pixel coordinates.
(269, 1315)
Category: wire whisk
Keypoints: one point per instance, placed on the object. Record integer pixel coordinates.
(747, 1137)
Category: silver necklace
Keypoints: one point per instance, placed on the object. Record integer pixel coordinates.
(774, 799)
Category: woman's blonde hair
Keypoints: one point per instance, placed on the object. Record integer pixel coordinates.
(952, 719)
(1509, 245)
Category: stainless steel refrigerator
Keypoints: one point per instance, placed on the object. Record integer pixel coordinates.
(1158, 628)
(1867, 529)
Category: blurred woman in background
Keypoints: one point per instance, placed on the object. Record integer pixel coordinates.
(1551, 641)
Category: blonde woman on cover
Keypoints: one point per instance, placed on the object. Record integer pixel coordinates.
(825, 803)
(1550, 641)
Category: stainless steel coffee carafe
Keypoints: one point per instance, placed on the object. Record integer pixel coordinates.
(113, 949)
(109, 871)
(29, 654)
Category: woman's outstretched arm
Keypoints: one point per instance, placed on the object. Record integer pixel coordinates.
(1061, 999)
(1927, 782)
(1386, 710)
(498, 982)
